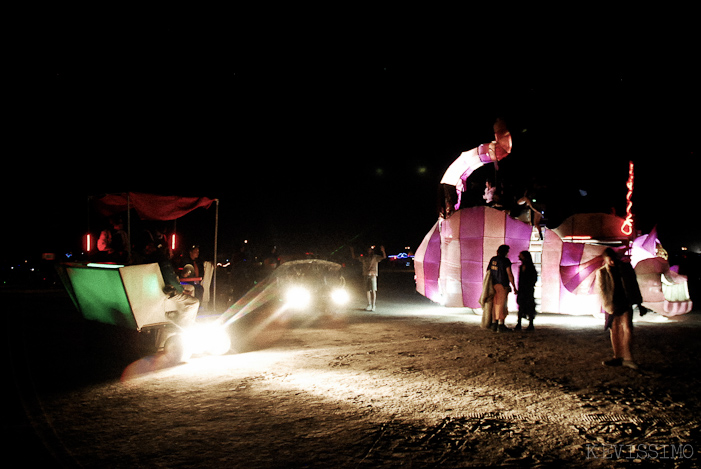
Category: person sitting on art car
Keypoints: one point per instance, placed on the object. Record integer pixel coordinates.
(186, 306)
(192, 270)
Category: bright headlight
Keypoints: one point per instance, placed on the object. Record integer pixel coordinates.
(210, 338)
(297, 297)
(219, 341)
(340, 296)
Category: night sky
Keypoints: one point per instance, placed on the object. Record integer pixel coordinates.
(310, 138)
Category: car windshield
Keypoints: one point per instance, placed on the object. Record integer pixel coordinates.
(310, 270)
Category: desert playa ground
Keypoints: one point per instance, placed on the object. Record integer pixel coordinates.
(412, 384)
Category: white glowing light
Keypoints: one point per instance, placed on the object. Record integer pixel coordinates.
(105, 266)
(340, 296)
(297, 297)
(206, 338)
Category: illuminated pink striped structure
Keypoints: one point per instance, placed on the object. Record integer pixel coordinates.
(452, 259)
(568, 273)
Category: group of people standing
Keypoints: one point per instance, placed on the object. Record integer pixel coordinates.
(615, 281)
(498, 282)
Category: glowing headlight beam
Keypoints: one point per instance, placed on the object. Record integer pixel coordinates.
(297, 298)
(206, 338)
(340, 296)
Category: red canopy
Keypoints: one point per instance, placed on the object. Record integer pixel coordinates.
(151, 207)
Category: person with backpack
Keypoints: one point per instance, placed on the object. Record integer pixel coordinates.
(502, 279)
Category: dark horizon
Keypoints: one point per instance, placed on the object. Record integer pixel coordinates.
(355, 140)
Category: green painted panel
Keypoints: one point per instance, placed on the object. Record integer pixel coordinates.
(100, 295)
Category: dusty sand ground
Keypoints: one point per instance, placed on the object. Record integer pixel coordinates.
(412, 384)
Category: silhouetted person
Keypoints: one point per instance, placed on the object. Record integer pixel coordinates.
(370, 262)
(525, 297)
(619, 291)
(502, 276)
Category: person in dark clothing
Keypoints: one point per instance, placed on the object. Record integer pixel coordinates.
(164, 256)
(502, 276)
(527, 278)
(192, 270)
(186, 306)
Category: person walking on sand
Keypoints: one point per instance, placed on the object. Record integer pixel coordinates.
(619, 291)
(527, 278)
(502, 276)
(370, 262)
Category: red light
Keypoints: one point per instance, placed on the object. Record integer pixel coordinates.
(172, 242)
(88, 242)
(627, 226)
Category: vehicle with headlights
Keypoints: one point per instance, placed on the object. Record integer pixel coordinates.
(133, 296)
(295, 293)
(311, 286)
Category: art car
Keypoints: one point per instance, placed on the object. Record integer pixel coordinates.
(146, 296)
(312, 285)
(452, 259)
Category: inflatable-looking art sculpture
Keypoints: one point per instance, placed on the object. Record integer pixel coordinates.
(452, 259)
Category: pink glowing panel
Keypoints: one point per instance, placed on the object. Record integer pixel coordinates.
(451, 261)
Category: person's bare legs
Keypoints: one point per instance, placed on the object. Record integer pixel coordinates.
(372, 298)
(622, 338)
(500, 311)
